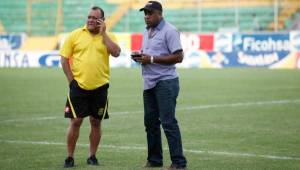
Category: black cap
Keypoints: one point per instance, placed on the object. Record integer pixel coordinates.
(152, 5)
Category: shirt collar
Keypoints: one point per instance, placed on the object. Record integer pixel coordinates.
(84, 28)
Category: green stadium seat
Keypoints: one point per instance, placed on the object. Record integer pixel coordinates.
(211, 18)
(75, 12)
(44, 15)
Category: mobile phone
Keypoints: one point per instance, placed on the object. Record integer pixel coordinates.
(136, 54)
(98, 22)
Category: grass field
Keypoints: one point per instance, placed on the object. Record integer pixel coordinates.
(229, 119)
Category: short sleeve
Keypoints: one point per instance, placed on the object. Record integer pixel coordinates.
(67, 48)
(173, 40)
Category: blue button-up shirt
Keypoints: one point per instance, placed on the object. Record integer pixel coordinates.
(164, 41)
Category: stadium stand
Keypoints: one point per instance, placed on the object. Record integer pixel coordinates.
(75, 12)
(13, 15)
(293, 22)
(213, 16)
(51, 17)
(288, 9)
(42, 19)
(39, 17)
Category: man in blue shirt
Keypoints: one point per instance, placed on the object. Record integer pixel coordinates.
(161, 50)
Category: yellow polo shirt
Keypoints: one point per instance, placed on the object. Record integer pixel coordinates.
(89, 58)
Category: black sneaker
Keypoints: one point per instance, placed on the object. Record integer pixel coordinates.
(153, 165)
(92, 160)
(176, 167)
(69, 162)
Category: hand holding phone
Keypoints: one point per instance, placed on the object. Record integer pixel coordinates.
(101, 25)
(136, 55)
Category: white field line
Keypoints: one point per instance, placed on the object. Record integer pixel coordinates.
(144, 149)
(29, 119)
(199, 107)
(241, 104)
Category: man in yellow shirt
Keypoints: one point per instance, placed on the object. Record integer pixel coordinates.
(85, 62)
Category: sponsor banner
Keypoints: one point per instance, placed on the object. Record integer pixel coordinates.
(298, 60)
(260, 50)
(136, 41)
(192, 59)
(261, 43)
(206, 42)
(21, 59)
(11, 41)
(192, 41)
(295, 41)
(219, 50)
(203, 59)
(124, 60)
(189, 41)
(29, 59)
(223, 42)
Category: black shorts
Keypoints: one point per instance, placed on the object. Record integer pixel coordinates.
(82, 103)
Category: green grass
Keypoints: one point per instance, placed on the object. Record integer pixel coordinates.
(229, 119)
